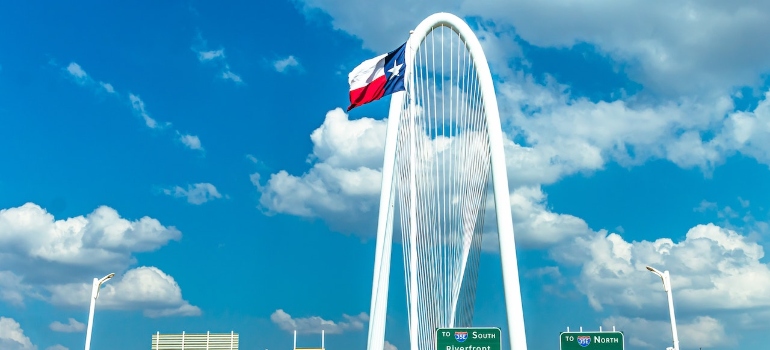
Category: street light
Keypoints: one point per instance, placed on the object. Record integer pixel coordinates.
(94, 295)
(667, 287)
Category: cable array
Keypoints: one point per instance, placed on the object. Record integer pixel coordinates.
(442, 172)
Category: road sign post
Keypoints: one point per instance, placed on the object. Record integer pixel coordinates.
(591, 341)
(474, 338)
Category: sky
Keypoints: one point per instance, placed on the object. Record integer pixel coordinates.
(201, 151)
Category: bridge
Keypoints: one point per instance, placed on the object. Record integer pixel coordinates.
(443, 157)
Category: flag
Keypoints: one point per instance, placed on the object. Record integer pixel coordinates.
(377, 77)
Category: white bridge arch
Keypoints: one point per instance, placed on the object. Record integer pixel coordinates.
(444, 141)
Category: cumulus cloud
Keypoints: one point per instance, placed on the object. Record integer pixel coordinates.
(215, 58)
(315, 324)
(700, 332)
(536, 225)
(71, 326)
(712, 263)
(557, 135)
(285, 64)
(12, 336)
(674, 48)
(343, 185)
(57, 347)
(40, 247)
(343, 14)
(11, 289)
(713, 269)
(685, 114)
(578, 135)
(693, 76)
(55, 260)
(195, 194)
(144, 288)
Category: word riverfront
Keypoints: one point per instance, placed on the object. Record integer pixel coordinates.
(468, 347)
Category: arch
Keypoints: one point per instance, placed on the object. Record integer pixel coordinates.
(405, 103)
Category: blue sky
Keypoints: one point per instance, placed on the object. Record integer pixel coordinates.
(197, 150)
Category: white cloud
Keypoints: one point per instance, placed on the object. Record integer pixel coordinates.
(343, 185)
(692, 76)
(204, 56)
(57, 347)
(712, 270)
(82, 78)
(227, 74)
(576, 135)
(701, 332)
(11, 289)
(191, 141)
(315, 324)
(357, 18)
(196, 194)
(676, 47)
(12, 336)
(215, 58)
(389, 346)
(77, 72)
(689, 58)
(32, 240)
(55, 260)
(705, 206)
(138, 105)
(107, 87)
(536, 225)
(143, 288)
(71, 326)
(285, 64)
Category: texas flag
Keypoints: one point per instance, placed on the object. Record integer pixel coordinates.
(377, 77)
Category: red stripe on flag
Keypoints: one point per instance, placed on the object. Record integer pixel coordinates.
(368, 93)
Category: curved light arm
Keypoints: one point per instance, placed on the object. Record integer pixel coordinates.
(98, 284)
(663, 276)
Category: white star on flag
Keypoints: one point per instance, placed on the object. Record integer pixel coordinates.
(395, 70)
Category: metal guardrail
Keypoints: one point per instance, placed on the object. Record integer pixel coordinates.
(195, 341)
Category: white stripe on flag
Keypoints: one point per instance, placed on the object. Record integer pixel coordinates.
(366, 72)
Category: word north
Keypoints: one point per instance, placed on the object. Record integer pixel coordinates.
(604, 340)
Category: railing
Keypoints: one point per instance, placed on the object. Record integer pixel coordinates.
(195, 341)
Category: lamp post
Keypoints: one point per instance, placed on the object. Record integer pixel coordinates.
(667, 287)
(94, 294)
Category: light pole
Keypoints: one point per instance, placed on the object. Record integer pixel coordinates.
(94, 295)
(667, 287)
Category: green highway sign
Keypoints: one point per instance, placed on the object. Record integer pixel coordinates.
(473, 338)
(591, 341)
